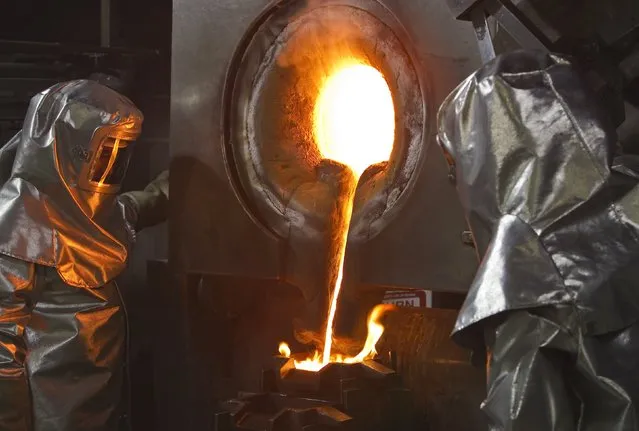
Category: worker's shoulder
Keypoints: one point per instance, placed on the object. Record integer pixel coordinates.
(16, 272)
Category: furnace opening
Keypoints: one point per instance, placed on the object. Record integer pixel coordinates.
(276, 148)
(354, 117)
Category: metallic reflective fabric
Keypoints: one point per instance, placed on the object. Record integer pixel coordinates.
(62, 323)
(61, 351)
(45, 217)
(554, 211)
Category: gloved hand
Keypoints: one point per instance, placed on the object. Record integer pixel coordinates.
(150, 206)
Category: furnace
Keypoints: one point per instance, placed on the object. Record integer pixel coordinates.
(272, 217)
(363, 396)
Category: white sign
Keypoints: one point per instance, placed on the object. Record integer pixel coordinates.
(409, 298)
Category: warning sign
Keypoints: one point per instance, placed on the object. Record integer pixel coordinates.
(409, 298)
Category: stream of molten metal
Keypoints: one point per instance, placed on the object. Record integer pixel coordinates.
(354, 124)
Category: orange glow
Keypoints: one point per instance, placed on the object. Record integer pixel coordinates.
(284, 350)
(354, 124)
(114, 156)
(375, 331)
(354, 118)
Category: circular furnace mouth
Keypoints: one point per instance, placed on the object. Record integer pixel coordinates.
(271, 96)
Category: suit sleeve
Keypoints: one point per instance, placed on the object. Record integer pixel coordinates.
(148, 207)
(16, 281)
(528, 389)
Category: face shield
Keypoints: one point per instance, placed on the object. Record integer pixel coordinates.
(108, 162)
(111, 162)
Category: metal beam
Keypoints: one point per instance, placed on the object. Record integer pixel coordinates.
(518, 26)
(482, 33)
(14, 47)
(105, 23)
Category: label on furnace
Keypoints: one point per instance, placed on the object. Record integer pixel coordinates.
(409, 298)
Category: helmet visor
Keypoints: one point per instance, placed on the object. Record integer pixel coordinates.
(111, 162)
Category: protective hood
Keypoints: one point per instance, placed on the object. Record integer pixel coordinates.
(554, 214)
(58, 205)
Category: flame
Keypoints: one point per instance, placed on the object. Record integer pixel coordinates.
(285, 350)
(375, 332)
(354, 124)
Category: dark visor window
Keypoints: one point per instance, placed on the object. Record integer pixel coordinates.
(111, 162)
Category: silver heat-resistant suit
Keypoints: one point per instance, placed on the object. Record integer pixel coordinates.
(65, 234)
(553, 205)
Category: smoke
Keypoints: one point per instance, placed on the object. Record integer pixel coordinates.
(319, 40)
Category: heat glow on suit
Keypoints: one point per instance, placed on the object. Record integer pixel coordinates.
(65, 234)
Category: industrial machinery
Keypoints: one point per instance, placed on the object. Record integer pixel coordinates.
(253, 204)
(603, 37)
(254, 207)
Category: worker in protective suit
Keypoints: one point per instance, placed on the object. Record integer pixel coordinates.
(65, 235)
(554, 211)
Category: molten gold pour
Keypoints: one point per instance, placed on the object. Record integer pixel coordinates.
(354, 124)
(354, 118)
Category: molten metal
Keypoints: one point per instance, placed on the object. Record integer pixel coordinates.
(354, 124)
(354, 118)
